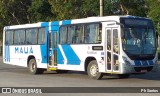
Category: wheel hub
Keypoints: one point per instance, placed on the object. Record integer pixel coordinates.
(32, 68)
(94, 70)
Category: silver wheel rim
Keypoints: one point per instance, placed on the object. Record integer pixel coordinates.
(94, 70)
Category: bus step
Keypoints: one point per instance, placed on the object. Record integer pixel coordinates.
(51, 68)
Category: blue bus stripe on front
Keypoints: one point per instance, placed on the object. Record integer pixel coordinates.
(150, 62)
(137, 63)
(144, 63)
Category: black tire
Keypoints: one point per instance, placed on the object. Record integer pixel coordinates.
(93, 71)
(62, 71)
(122, 76)
(33, 67)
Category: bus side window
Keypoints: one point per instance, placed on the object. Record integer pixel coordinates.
(16, 37)
(78, 34)
(21, 36)
(99, 32)
(31, 37)
(9, 38)
(108, 39)
(71, 34)
(63, 35)
(41, 36)
(92, 33)
(86, 34)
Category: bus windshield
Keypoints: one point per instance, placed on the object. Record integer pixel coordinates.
(138, 38)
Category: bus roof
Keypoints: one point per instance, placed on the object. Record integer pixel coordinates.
(74, 21)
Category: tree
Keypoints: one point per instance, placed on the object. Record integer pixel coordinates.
(154, 12)
(129, 7)
(40, 10)
(72, 9)
(15, 11)
(66, 9)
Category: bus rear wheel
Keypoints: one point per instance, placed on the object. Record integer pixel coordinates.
(33, 67)
(93, 70)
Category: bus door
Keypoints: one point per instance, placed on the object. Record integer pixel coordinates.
(112, 50)
(52, 50)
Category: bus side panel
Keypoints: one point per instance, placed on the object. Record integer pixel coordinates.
(76, 55)
(19, 55)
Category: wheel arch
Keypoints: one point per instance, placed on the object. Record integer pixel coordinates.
(87, 61)
(29, 58)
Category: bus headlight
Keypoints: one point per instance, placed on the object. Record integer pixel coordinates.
(126, 61)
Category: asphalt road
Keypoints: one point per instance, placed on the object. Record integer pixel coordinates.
(14, 76)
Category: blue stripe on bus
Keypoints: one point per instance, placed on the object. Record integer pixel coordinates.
(54, 23)
(150, 62)
(65, 22)
(5, 54)
(43, 48)
(72, 58)
(144, 63)
(60, 58)
(44, 24)
(55, 28)
(137, 63)
(43, 53)
(9, 53)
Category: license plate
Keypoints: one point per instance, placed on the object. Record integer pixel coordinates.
(143, 70)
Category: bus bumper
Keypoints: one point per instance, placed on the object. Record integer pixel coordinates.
(129, 69)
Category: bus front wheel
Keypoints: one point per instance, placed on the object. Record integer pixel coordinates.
(33, 67)
(93, 70)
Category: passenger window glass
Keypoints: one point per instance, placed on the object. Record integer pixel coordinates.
(63, 35)
(19, 37)
(92, 33)
(71, 34)
(78, 35)
(41, 36)
(115, 40)
(31, 36)
(9, 38)
(109, 39)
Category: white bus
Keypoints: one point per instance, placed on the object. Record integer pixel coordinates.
(119, 45)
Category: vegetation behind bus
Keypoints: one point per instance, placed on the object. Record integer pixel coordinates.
(13, 12)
